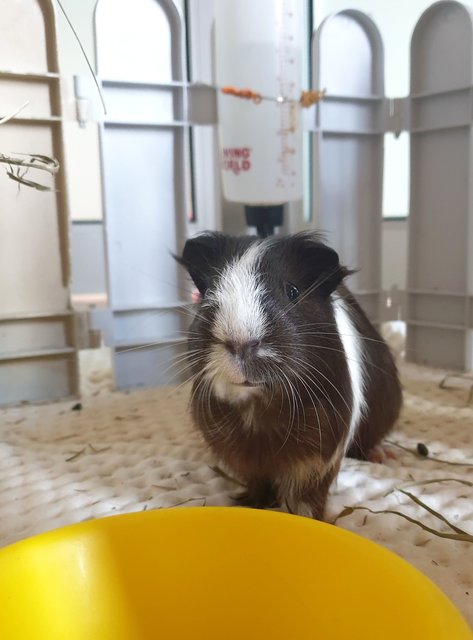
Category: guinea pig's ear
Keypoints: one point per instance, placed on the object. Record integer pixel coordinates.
(323, 266)
(201, 257)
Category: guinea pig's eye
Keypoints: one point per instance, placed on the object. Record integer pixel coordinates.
(291, 291)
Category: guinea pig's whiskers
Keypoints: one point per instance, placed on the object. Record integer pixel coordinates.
(192, 356)
(198, 385)
(281, 387)
(284, 392)
(295, 407)
(311, 379)
(311, 399)
(183, 366)
(185, 362)
(189, 377)
(148, 345)
(131, 266)
(209, 397)
(302, 407)
(195, 313)
(272, 388)
(336, 412)
(314, 355)
(335, 334)
(293, 398)
(204, 396)
(187, 381)
(331, 324)
(363, 362)
(320, 373)
(307, 377)
(228, 425)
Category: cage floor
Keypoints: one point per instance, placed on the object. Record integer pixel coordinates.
(132, 451)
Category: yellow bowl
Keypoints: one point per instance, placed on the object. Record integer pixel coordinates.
(215, 573)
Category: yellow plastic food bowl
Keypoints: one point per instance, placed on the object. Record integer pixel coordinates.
(215, 573)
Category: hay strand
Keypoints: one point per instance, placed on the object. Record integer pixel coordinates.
(458, 534)
(466, 537)
(428, 457)
(29, 161)
(15, 113)
(421, 483)
(220, 472)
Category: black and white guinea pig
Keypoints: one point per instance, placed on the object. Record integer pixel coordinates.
(289, 374)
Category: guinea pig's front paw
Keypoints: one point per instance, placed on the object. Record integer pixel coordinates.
(303, 509)
(310, 501)
(306, 510)
(381, 453)
(258, 495)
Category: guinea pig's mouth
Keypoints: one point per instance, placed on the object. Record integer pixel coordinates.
(247, 383)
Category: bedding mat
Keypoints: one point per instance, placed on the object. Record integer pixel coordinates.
(118, 452)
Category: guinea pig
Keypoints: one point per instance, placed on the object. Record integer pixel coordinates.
(289, 375)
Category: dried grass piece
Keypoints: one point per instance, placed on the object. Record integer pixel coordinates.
(178, 504)
(162, 486)
(415, 453)
(27, 183)
(423, 543)
(76, 455)
(464, 537)
(95, 450)
(459, 534)
(31, 161)
(438, 515)
(225, 475)
(10, 116)
(82, 452)
(424, 482)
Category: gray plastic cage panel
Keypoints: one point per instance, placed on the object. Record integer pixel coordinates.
(45, 376)
(440, 258)
(202, 101)
(38, 351)
(143, 146)
(37, 361)
(348, 62)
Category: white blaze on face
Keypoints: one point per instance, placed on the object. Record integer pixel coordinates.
(239, 299)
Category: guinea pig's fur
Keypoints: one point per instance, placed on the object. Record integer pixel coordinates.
(289, 374)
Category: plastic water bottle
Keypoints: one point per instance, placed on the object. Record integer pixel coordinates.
(259, 46)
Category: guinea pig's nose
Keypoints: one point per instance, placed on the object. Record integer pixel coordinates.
(243, 349)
